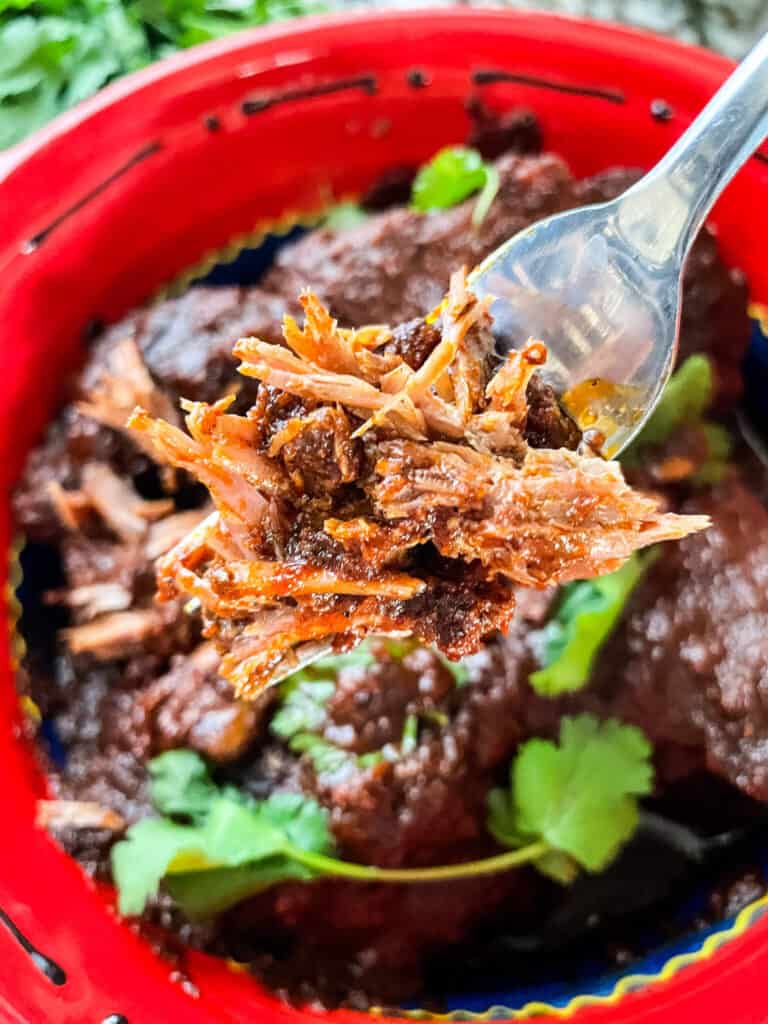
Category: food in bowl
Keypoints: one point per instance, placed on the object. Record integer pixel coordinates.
(361, 495)
(389, 758)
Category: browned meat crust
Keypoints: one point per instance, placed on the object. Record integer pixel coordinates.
(688, 662)
(531, 517)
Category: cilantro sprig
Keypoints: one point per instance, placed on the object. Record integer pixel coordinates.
(685, 400)
(578, 797)
(452, 175)
(567, 806)
(586, 615)
(301, 715)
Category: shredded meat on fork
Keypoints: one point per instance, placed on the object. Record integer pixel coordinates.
(375, 498)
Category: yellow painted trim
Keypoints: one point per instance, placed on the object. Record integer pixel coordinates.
(759, 312)
(629, 983)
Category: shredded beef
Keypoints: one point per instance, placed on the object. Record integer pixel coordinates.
(491, 511)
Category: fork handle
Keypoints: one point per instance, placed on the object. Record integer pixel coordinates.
(663, 212)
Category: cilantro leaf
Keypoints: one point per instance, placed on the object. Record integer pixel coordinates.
(303, 706)
(719, 448)
(343, 216)
(326, 757)
(55, 53)
(202, 894)
(141, 859)
(234, 834)
(587, 613)
(181, 784)
(580, 797)
(449, 177)
(687, 395)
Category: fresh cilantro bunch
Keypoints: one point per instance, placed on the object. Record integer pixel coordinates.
(54, 53)
(567, 806)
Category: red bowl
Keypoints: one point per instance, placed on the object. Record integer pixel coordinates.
(118, 197)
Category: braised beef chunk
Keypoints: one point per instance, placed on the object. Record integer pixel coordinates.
(72, 440)
(187, 342)
(102, 729)
(370, 704)
(342, 942)
(495, 133)
(689, 661)
(417, 742)
(190, 706)
(429, 803)
(546, 425)
(396, 266)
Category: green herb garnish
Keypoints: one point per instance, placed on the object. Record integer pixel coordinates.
(580, 797)
(567, 806)
(720, 446)
(586, 615)
(343, 216)
(685, 399)
(180, 784)
(451, 176)
(54, 53)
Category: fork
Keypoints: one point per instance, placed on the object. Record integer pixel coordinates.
(601, 285)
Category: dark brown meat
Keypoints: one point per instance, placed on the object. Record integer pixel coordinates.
(369, 706)
(396, 266)
(104, 733)
(547, 426)
(187, 342)
(413, 341)
(72, 440)
(425, 804)
(190, 706)
(495, 133)
(338, 943)
(689, 662)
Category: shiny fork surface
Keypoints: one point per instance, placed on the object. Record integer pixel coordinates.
(601, 285)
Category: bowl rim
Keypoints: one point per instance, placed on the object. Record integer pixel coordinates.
(735, 970)
(714, 65)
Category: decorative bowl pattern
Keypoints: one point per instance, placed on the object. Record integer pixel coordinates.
(230, 147)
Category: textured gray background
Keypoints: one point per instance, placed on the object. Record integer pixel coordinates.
(730, 27)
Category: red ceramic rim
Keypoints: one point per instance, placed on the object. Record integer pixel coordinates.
(115, 198)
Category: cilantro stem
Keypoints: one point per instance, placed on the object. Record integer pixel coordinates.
(369, 873)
